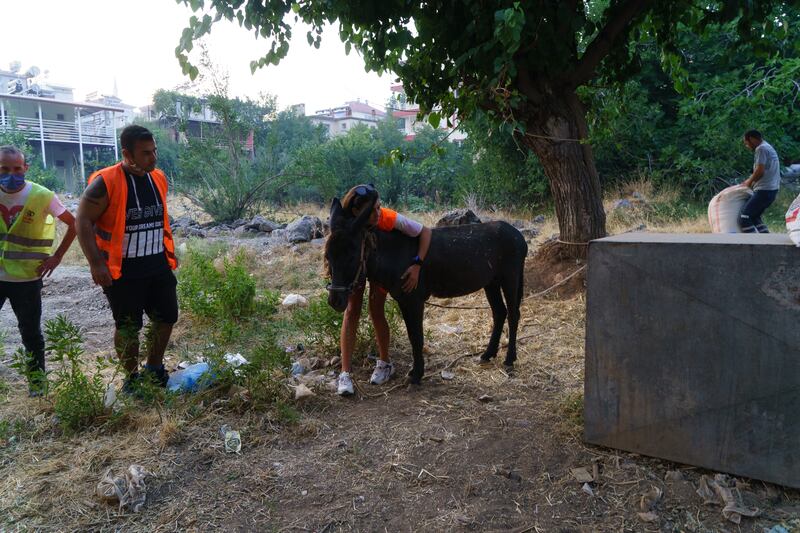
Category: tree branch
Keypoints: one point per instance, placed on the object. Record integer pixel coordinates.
(618, 23)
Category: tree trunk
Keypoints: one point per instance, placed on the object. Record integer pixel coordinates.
(554, 132)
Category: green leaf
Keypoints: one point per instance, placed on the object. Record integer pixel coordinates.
(434, 119)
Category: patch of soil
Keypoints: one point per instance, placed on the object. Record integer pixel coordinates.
(550, 268)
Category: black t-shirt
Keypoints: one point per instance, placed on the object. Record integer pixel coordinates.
(143, 252)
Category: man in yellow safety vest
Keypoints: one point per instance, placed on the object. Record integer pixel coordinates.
(27, 230)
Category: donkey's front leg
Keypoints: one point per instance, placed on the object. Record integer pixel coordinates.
(412, 315)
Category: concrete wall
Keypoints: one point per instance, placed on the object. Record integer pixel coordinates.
(693, 351)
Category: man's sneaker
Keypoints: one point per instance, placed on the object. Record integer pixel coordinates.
(382, 373)
(158, 374)
(131, 384)
(345, 384)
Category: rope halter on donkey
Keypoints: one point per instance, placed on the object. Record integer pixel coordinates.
(362, 266)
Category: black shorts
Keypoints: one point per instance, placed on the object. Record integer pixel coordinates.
(155, 295)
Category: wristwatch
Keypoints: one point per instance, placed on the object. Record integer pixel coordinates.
(417, 260)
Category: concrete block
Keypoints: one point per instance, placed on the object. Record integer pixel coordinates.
(693, 351)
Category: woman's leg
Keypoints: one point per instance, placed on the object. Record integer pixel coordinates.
(377, 312)
(347, 339)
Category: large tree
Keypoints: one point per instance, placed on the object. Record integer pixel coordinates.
(521, 62)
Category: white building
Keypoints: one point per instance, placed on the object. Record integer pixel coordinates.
(339, 120)
(58, 128)
(406, 112)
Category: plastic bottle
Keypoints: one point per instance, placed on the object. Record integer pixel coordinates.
(186, 380)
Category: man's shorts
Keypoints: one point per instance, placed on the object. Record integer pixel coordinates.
(131, 298)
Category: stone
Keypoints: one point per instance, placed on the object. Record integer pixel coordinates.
(261, 224)
(693, 351)
(458, 217)
(529, 232)
(304, 229)
(182, 222)
(193, 231)
(539, 219)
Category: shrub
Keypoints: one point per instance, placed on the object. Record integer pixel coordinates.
(320, 326)
(77, 397)
(227, 293)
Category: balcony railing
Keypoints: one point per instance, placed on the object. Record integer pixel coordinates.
(62, 131)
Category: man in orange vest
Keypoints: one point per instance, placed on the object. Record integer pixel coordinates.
(123, 229)
(27, 229)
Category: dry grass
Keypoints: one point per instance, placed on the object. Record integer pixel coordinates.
(431, 460)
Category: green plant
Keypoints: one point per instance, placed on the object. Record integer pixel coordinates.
(320, 325)
(77, 397)
(227, 293)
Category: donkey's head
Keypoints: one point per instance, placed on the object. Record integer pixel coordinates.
(345, 253)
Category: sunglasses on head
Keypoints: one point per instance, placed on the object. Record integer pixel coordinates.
(364, 190)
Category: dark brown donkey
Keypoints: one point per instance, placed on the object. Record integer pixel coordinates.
(461, 260)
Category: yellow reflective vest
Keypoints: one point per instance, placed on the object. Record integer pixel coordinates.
(29, 241)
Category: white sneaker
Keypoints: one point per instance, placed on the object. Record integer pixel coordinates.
(382, 373)
(345, 384)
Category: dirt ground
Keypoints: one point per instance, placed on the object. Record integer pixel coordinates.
(485, 451)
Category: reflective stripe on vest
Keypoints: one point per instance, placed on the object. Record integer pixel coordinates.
(110, 227)
(29, 240)
(16, 239)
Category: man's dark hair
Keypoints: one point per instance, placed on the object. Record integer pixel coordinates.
(753, 134)
(12, 150)
(134, 133)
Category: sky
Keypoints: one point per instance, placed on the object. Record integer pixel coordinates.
(90, 44)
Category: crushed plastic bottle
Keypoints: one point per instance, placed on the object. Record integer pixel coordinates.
(189, 379)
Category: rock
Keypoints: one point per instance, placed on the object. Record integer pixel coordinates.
(448, 375)
(261, 224)
(529, 232)
(294, 300)
(238, 222)
(318, 242)
(304, 229)
(193, 231)
(183, 222)
(539, 219)
(458, 217)
(674, 475)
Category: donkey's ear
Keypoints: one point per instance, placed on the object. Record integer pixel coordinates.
(365, 213)
(336, 206)
(337, 213)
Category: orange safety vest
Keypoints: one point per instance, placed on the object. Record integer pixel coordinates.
(386, 219)
(110, 227)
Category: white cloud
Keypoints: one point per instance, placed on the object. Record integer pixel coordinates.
(87, 44)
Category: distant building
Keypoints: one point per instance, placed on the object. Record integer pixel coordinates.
(339, 120)
(57, 127)
(406, 112)
(198, 123)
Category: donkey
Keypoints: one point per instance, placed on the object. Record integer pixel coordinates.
(461, 260)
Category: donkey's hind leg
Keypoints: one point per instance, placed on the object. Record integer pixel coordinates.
(498, 318)
(512, 290)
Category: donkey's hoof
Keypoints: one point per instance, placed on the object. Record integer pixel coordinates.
(508, 368)
(483, 361)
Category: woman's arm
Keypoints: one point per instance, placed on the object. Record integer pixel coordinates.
(410, 278)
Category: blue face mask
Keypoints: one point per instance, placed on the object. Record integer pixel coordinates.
(12, 182)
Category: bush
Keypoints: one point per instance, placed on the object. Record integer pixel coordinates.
(227, 292)
(320, 326)
(77, 398)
